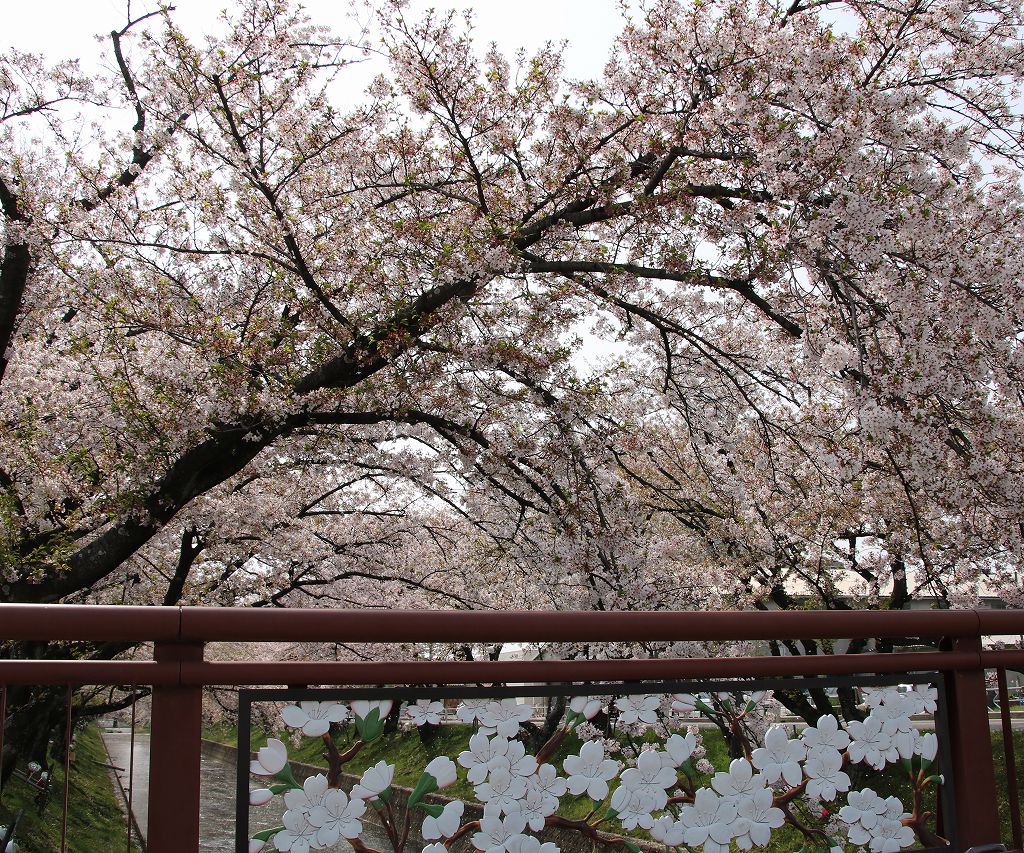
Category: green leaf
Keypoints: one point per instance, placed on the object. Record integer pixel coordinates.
(267, 834)
(704, 709)
(427, 784)
(371, 726)
(285, 775)
(432, 809)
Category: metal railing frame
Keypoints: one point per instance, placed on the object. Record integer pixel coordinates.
(178, 672)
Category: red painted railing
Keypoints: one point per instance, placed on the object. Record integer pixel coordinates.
(178, 672)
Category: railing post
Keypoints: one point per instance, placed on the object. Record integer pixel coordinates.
(174, 758)
(974, 775)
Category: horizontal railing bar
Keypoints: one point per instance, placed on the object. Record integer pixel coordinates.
(99, 622)
(468, 672)
(473, 672)
(1005, 658)
(96, 672)
(238, 624)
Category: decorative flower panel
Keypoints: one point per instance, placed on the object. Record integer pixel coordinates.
(713, 767)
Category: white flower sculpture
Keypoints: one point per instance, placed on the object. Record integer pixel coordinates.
(314, 718)
(671, 790)
(425, 712)
(638, 709)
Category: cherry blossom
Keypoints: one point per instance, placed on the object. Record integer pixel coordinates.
(374, 781)
(780, 757)
(757, 817)
(668, 831)
(863, 811)
(928, 746)
(270, 759)
(871, 743)
(363, 707)
(633, 806)
(638, 709)
(826, 734)
(710, 822)
(314, 718)
(443, 771)
(425, 712)
(499, 834)
(337, 816)
(446, 824)
(825, 775)
(530, 844)
(590, 771)
(549, 784)
(740, 781)
(505, 717)
(260, 796)
(298, 835)
(471, 710)
(678, 749)
(586, 706)
(502, 790)
(491, 753)
(684, 703)
(890, 836)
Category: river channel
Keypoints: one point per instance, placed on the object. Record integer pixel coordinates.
(217, 812)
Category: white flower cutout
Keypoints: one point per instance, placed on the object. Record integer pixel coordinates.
(362, 707)
(780, 757)
(443, 770)
(825, 735)
(471, 710)
(374, 781)
(270, 760)
(710, 822)
(871, 743)
(587, 706)
(757, 817)
(446, 824)
(684, 704)
(336, 817)
(502, 790)
(638, 709)
(825, 775)
(739, 781)
(425, 712)
(590, 771)
(497, 834)
(505, 717)
(529, 844)
(679, 748)
(314, 718)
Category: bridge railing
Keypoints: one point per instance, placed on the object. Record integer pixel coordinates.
(178, 673)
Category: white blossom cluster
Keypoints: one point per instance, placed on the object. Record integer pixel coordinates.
(654, 790)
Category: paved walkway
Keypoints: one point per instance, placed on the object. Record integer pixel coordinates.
(118, 743)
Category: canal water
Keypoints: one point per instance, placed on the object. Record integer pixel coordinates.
(217, 808)
(217, 812)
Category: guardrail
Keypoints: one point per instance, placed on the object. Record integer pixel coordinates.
(178, 672)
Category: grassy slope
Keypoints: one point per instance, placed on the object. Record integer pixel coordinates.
(95, 819)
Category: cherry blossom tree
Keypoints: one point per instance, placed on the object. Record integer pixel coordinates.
(267, 341)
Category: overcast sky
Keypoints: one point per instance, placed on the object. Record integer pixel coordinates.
(64, 28)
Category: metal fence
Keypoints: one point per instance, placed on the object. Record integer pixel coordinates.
(178, 673)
